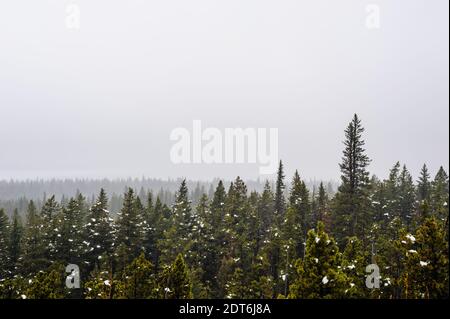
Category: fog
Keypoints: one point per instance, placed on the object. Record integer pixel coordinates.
(103, 99)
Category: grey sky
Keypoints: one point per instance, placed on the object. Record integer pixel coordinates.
(102, 100)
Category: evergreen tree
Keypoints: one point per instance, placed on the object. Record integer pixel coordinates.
(139, 280)
(354, 262)
(265, 214)
(15, 243)
(47, 284)
(406, 197)
(158, 221)
(33, 245)
(175, 281)
(440, 196)
(393, 246)
(69, 241)
(217, 209)
(319, 274)
(299, 219)
(103, 285)
(98, 233)
(218, 206)
(423, 185)
(351, 204)
(178, 237)
(130, 225)
(380, 212)
(280, 205)
(427, 274)
(322, 207)
(205, 254)
(50, 213)
(4, 244)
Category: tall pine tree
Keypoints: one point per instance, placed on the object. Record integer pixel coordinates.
(351, 204)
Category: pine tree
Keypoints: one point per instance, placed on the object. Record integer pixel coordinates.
(393, 246)
(218, 206)
(204, 251)
(406, 197)
(280, 205)
(299, 219)
(175, 281)
(103, 284)
(4, 244)
(69, 241)
(130, 225)
(236, 217)
(98, 233)
(15, 243)
(157, 225)
(178, 237)
(49, 217)
(423, 185)
(322, 207)
(33, 245)
(319, 274)
(13, 288)
(139, 280)
(217, 209)
(440, 196)
(48, 284)
(265, 214)
(381, 214)
(427, 274)
(354, 262)
(351, 204)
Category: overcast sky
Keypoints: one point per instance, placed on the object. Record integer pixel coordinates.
(102, 100)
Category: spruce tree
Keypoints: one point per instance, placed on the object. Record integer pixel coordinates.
(300, 217)
(4, 244)
(69, 242)
(351, 205)
(265, 214)
(157, 225)
(407, 197)
(15, 243)
(217, 209)
(319, 274)
(50, 214)
(322, 206)
(98, 232)
(427, 273)
(175, 281)
(33, 245)
(280, 205)
(48, 284)
(423, 185)
(139, 280)
(130, 225)
(178, 237)
(440, 196)
(354, 262)
(205, 253)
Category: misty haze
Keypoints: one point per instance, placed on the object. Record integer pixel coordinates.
(101, 100)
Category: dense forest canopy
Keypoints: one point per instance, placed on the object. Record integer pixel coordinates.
(284, 240)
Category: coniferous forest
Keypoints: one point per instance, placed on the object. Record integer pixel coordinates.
(285, 241)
